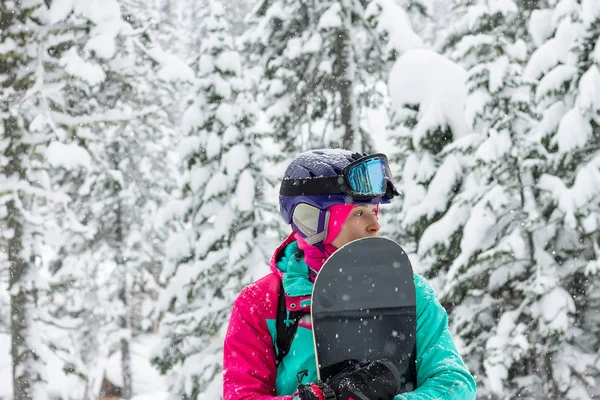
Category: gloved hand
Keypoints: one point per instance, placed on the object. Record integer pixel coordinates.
(377, 380)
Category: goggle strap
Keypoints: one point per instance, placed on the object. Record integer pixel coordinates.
(312, 186)
(314, 239)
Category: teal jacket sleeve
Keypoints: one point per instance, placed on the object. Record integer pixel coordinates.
(441, 372)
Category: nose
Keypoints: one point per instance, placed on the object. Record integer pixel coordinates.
(373, 226)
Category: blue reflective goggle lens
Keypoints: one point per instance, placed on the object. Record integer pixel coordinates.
(368, 178)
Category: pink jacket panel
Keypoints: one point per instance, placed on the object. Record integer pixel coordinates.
(249, 369)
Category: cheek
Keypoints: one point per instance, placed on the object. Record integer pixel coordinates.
(357, 226)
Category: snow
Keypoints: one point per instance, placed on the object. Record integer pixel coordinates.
(89, 72)
(441, 231)
(293, 48)
(192, 118)
(542, 60)
(540, 26)
(198, 178)
(213, 145)
(5, 366)
(217, 184)
(561, 194)
(497, 71)
(229, 61)
(153, 396)
(572, 199)
(313, 44)
(393, 21)
(503, 7)
(244, 192)
(68, 156)
(331, 18)
(60, 9)
(589, 91)
(563, 10)
(496, 146)
(222, 87)
(172, 68)
(326, 67)
(554, 80)
(226, 114)
(146, 379)
(554, 308)
(466, 45)
(436, 84)
(99, 11)
(7, 45)
(518, 51)
(596, 53)
(414, 193)
(478, 101)
(106, 18)
(586, 187)
(590, 11)
(478, 230)
(231, 135)
(439, 192)
(565, 35)
(102, 45)
(574, 131)
(237, 159)
(551, 118)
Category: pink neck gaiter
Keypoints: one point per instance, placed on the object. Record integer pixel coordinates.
(313, 256)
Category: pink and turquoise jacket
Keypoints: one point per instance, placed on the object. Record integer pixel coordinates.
(249, 367)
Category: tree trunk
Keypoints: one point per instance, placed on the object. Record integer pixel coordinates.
(125, 319)
(25, 375)
(22, 292)
(343, 70)
(126, 367)
(124, 294)
(19, 306)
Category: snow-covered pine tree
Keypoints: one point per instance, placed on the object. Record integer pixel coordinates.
(428, 97)
(506, 274)
(29, 202)
(215, 251)
(178, 19)
(393, 21)
(432, 142)
(319, 65)
(565, 67)
(113, 104)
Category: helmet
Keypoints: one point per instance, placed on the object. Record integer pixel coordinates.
(317, 180)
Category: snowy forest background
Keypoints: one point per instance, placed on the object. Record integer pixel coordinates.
(142, 143)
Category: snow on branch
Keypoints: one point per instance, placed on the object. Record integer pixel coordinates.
(108, 116)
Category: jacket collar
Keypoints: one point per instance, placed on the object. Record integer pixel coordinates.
(289, 265)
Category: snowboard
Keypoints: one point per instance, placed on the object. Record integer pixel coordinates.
(363, 309)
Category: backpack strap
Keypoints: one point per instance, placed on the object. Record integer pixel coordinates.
(286, 325)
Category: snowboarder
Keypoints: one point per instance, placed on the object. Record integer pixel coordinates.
(330, 198)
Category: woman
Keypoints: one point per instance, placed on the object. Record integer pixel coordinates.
(330, 197)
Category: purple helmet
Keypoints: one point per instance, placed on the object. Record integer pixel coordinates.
(317, 164)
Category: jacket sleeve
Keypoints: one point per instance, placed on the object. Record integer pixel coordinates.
(249, 369)
(441, 372)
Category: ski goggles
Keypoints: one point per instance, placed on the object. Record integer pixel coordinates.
(364, 179)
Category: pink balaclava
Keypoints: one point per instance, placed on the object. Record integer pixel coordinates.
(314, 257)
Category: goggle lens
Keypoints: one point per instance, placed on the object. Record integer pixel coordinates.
(368, 178)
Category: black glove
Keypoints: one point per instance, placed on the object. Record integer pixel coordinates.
(377, 380)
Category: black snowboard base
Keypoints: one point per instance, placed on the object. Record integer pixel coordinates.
(363, 309)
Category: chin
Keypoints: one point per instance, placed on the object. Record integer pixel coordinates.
(365, 236)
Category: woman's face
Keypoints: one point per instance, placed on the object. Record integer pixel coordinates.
(362, 222)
